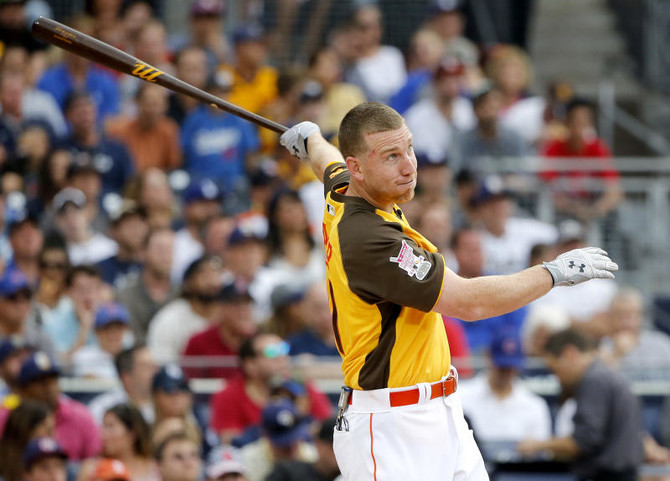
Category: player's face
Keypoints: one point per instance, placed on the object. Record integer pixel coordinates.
(389, 168)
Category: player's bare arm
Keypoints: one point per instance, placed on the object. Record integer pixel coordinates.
(488, 296)
(306, 137)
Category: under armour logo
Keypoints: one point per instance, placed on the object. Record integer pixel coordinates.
(572, 265)
(296, 151)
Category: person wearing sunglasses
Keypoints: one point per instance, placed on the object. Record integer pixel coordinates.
(237, 409)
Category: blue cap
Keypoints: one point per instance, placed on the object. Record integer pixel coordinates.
(37, 366)
(203, 189)
(41, 448)
(248, 33)
(281, 423)
(506, 351)
(239, 236)
(111, 312)
(12, 281)
(491, 187)
(170, 378)
(10, 345)
(234, 292)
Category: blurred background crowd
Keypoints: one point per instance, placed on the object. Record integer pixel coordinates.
(163, 307)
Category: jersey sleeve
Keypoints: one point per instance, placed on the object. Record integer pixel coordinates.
(335, 175)
(382, 263)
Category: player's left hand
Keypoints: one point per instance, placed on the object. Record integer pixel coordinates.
(580, 265)
(295, 139)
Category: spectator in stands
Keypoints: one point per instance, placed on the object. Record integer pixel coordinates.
(145, 294)
(129, 229)
(238, 407)
(109, 469)
(288, 315)
(27, 421)
(541, 322)
(54, 264)
(27, 240)
(173, 326)
(126, 437)
(75, 73)
(253, 82)
(155, 198)
(489, 138)
(52, 178)
(191, 65)
(379, 70)
(606, 442)
(136, 369)
(224, 464)
(202, 201)
(217, 145)
(498, 406)
(432, 189)
(510, 70)
(217, 232)
(576, 192)
(45, 460)
(469, 256)
(86, 178)
(316, 338)
(13, 351)
(506, 239)
(70, 325)
(447, 19)
(15, 320)
(425, 54)
(97, 360)
(283, 439)
(434, 222)
(324, 468)
(631, 346)
(232, 325)
(151, 136)
(172, 395)
(206, 31)
(90, 146)
(75, 429)
(437, 120)
(178, 458)
(32, 147)
(84, 244)
(586, 306)
(14, 32)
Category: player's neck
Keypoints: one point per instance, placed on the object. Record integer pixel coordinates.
(354, 191)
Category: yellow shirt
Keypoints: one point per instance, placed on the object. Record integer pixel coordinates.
(383, 280)
(255, 94)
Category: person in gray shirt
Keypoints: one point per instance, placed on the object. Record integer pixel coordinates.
(607, 441)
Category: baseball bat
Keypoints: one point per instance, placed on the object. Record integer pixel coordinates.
(95, 50)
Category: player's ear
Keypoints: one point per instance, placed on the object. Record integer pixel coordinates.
(355, 167)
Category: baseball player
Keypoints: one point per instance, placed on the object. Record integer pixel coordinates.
(399, 418)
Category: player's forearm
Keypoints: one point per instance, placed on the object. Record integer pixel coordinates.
(489, 296)
(321, 153)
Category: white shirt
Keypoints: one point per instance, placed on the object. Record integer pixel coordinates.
(171, 328)
(526, 118)
(510, 252)
(92, 251)
(381, 75)
(186, 250)
(582, 301)
(433, 134)
(92, 361)
(520, 415)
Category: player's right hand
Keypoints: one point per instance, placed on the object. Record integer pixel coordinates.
(295, 139)
(580, 265)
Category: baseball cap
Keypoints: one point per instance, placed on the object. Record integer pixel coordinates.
(290, 386)
(108, 469)
(445, 6)
(234, 292)
(42, 448)
(128, 208)
(69, 195)
(449, 66)
(20, 219)
(424, 160)
(37, 366)
(571, 230)
(241, 235)
(286, 294)
(171, 379)
(248, 33)
(12, 281)
(281, 423)
(109, 313)
(311, 91)
(224, 460)
(491, 187)
(81, 168)
(207, 8)
(202, 189)
(10, 345)
(506, 351)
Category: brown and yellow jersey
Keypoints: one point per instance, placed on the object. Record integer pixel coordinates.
(383, 279)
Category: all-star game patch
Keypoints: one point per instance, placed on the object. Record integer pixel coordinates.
(409, 262)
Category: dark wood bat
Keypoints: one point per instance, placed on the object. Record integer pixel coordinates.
(97, 51)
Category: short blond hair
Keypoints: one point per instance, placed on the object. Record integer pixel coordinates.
(366, 118)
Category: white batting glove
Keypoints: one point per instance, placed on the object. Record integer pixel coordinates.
(580, 265)
(295, 139)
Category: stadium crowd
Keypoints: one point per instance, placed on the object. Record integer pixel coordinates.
(147, 240)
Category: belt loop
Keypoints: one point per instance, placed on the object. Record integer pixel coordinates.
(424, 392)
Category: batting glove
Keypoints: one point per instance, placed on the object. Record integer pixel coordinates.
(580, 265)
(295, 139)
